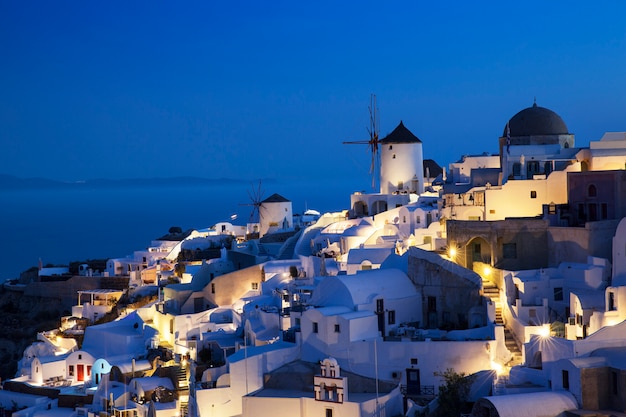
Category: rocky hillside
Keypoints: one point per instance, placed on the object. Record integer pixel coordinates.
(21, 318)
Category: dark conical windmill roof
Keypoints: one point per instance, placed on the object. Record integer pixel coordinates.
(401, 135)
(275, 198)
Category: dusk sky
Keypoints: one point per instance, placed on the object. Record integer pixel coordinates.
(271, 89)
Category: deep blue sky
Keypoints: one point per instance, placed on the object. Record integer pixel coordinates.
(94, 89)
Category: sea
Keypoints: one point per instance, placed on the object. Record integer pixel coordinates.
(59, 225)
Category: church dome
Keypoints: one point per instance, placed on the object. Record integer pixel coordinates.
(536, 121)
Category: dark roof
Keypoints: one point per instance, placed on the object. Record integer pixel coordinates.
(434, 170)
(275, 198)
(401, 135)
(536, 121)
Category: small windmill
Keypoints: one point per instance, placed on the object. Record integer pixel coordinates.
(255, 193)
(373, 140)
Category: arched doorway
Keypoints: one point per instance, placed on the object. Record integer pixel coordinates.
(379, 206)
(477, 249)
(360, 209)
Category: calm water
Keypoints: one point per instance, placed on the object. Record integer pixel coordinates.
(61, 225)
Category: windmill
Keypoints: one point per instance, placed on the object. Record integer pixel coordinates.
(373, 140)
(255, 193)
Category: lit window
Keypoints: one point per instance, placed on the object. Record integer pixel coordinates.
(255, 285)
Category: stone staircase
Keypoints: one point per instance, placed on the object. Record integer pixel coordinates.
(513, 347)
(183, 390)
(491, 291)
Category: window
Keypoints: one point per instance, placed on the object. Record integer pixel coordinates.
(391, 317)
(558, 294)
(390, 147)
(552, 208)
(337, 328)
(533, 167)
(581, 211)
(432, 304)
(614, 382)
(592, 191)
(418, 219)
(565, 379)
(380, 305)
(71, 370)
(212, 288)
(612, 305)
(477, 252)
(80, 356)
(298, 321)
(329, 412)
(533, 194)
(509, 251)
(315, 327)
(593, 212)
(403, 219)
(400, 185)
(413, 361)
(255, 285)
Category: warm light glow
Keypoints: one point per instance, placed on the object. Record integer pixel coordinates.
(497, 367)
(486, 270)
(544, 331)
(452, 253)
(612, 321)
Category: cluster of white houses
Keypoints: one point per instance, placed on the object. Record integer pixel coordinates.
(511, 267)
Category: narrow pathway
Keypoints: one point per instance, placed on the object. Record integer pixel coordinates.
(491, 291)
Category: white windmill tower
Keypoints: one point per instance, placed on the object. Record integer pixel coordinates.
(268, 215)
(402, 164)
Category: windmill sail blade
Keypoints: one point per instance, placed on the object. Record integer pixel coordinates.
(373, 140)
